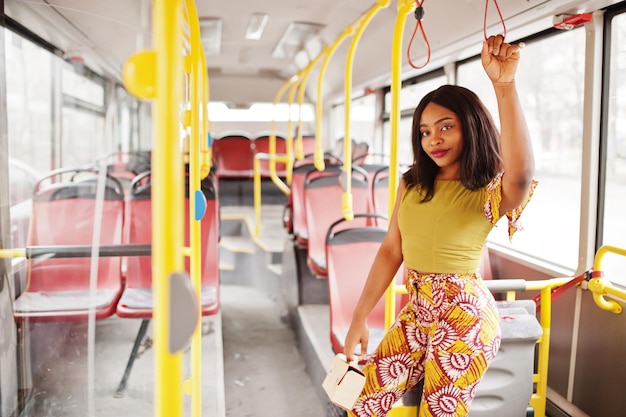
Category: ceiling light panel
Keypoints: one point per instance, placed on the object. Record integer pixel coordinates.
(294, 39)
(211, 35)
(256, 26)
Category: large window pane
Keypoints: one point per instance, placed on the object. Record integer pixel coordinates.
(614, 227)
(410, 96)
(29, 98)
(551, 95)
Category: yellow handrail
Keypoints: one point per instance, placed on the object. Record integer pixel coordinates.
(405, 7)
(273, 175)
(346, 201)
(167, 197)
(299, 151)
(289, 138)
(600, 287)
(198, 149)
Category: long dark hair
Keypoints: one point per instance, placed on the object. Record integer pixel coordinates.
(480, 157)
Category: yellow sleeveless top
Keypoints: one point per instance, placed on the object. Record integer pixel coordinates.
(447, 233)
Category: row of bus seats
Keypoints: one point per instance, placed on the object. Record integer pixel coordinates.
(234, 153)
(338, 250)
(63, 215)
(60, 286)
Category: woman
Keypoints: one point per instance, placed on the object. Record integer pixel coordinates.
(463, 176)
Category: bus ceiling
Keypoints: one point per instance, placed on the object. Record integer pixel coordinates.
(252, 70)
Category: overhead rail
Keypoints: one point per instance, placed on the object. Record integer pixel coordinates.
(348, 212)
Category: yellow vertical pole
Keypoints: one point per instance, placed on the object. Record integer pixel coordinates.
(197, 121)
(405, 7)
(347, 209)
(318, 159)
(299, 152)
(289, 139)
(167, 197)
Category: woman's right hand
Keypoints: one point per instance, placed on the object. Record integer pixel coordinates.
(358, 333)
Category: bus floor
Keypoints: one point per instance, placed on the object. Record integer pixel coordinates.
(264, 373)
(70, 375)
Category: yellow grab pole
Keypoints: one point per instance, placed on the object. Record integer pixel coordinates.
(167, 197)
(405, 7)
(205, 149)
(346, 202)
(328, 51)
(289, 138)
(274, 177)
(299, 151)
(257, 196)
(197, 124)
(601, 287)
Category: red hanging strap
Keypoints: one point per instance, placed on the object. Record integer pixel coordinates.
(499, 14)
(557, 291)
(419, 15)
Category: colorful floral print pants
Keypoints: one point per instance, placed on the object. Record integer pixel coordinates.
(448, 333)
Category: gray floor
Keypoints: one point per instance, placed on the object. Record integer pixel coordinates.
(264, 372)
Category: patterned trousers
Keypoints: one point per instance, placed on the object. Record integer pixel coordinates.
(448, 333)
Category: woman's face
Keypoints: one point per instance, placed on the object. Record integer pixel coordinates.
(442, 139)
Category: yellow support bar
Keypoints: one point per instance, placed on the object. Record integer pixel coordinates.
(197, 123)
(601, 287)
(346, 202)
(13, 253)
(299, 151)
(405, 7)
(274, 177)
(167, 197)
(328, 53)
(289, 138)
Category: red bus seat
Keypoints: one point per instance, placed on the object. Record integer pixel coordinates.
(232, 153)
(323, 205)
(380, 192)
(295, 206)
(64, 213)
(350, 252)
(262, 145)
(137, 299)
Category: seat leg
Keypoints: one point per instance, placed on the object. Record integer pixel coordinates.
(133, 355)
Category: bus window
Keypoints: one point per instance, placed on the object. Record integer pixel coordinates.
(553, 105)
(410, 96)
(614, 226)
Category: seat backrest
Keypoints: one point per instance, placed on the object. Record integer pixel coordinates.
(209, 226)
(262, 145)
(323, 205)
(136, 302)
(380, 192)
(359, 152)
(308, 144)
(233, 153)
(301, 173)
(64, 214)
(350, 253)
